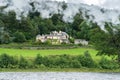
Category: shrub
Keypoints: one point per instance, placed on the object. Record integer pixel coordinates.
(37, 43)
(108, 64)
(62, 62)
(56, 61)
(71, 40)
(7, 61)
(23, 63)
(59, 61)
(48, 42)
(46, 61)
(51, 61)
(75, 64)
(86, 60)
(38, 59)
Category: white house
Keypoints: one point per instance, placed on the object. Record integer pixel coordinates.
(81, 41)
(54, 36)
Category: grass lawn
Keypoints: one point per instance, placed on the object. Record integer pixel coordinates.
(33, 53)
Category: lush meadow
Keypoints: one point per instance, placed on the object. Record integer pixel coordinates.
(75, 59)
(32, 53)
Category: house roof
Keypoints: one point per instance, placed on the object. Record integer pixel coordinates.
(55, 34)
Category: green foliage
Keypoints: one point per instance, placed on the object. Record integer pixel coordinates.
(107, 43)
(23, 63)
(71, 40)
(7, 61)
(56, 61)
(108, 64)
(1, 24)
(38, 60)
(19, 37)
(80, 27)
(48, 42)
(34, 24)
(47, 61)
(28, 27)
(63, 61)
(4, 36)
(86, 60)
(64, 6)
(56, 19)
(75, 64)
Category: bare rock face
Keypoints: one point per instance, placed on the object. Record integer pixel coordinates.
(58, 76)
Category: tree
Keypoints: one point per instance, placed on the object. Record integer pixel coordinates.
(4, 36)
(107, 43)
(10, 21)
(19, 37)
(57, 18)
(1, 23)
(64, 5)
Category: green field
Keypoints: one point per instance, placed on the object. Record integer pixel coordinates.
(33, 53)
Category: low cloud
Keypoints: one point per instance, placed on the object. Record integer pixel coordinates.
(45, 7)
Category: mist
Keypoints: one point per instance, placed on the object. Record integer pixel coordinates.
(97, 14)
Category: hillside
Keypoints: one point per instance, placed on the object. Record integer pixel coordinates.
(21, 21)
(47, 8)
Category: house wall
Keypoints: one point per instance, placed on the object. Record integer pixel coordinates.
(58, 36)
(79, 41)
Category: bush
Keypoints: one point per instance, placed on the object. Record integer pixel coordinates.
(7, 61)
(108, 64)
(48, 42)
(38, 60)
(71, 40)
(50, 61)
(23, 63)
(56, 61)
(75, 64)
(47, 61)
(86, 60)
(37, 43)
(63, 61)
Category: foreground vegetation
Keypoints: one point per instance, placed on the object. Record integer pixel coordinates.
(83, 62)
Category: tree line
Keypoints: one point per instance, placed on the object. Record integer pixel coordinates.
(26, 29)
